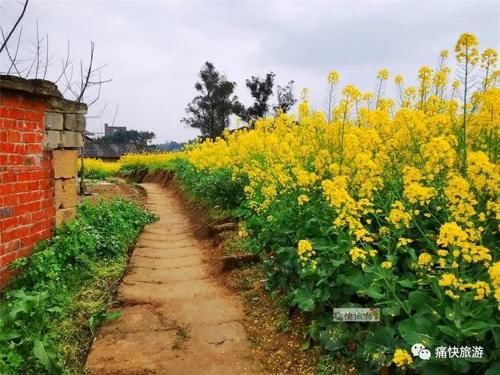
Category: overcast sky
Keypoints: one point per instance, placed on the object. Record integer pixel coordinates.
(155, 49)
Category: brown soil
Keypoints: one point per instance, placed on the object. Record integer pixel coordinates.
(176, 319)
(115, 188)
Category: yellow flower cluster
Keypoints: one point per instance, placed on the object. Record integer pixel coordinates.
(357, 254)
(305, 251)
(302, 199)
(105, 167)
(425, 259)
(398, 216)
(449, 279)
(402, 358)
(149, 160)
(404, 170)
(494, 272)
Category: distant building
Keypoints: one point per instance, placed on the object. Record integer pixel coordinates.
(109, 130)
(106, 151)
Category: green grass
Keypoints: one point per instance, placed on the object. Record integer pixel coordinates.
(51, 309)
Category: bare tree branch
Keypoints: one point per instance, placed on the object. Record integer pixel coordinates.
(46, 58)
(85, 84)
(64, 63)
(5, 40)
(12, 59)
(99, 113)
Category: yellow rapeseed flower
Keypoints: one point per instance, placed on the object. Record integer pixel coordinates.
(402, 358)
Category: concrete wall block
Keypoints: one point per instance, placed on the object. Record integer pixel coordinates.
(66, 106)
(71, 139)
(52, 139)
(54, 121)
(74, 122)
(65, 193)
(65, 163)
(65, 214)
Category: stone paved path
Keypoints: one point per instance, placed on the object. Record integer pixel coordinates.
(175, 318)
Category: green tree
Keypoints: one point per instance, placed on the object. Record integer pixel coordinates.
(261, 90)
(141, 139)
(211, 109)
(286, 98)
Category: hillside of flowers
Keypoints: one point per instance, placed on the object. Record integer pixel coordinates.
(387, 202)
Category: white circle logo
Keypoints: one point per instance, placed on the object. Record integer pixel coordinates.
(420, 351)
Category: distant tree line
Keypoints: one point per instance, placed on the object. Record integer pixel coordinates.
(140, 139)
(211, 109)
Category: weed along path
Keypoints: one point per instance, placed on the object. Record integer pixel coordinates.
(175, 318)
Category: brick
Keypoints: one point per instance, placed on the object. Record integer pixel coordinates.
(31, 160)
(6, 177)
(13, 136)
(7, 148)
(46, 203)
(8, 258)
(24, 252)
(11, 200)
(66, 106)
(33, 116)
(25, 219)
(37, 227)
(38, 215)
(65, 193)
(6, 189)
(11, 100)
(25, 208)
(14, 233)
(52, 139)
(6, 123)
(31, 137)
(30, 175)
(74, 122)
(5, 212)
(15, 159)
(54, 121)
(64, 215)
(8, 223)
(71, 139)
(12, 245)
(65, 163)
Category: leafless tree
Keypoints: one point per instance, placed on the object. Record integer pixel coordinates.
(81, 82)
(16, 24)
(85, 86)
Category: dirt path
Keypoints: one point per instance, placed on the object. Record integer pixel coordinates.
(175, 318)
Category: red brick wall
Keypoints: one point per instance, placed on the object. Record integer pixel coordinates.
(26, 178)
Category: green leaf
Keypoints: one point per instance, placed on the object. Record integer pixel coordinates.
(382, 340)
(449, 331)
(112, 315)
(494, 369)
(405, 283)
(41, 354)
(417, 330)
(392, 311)
(374, 292)
(9, 336)
(304, 299)
(421, 301)
(476, 327)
